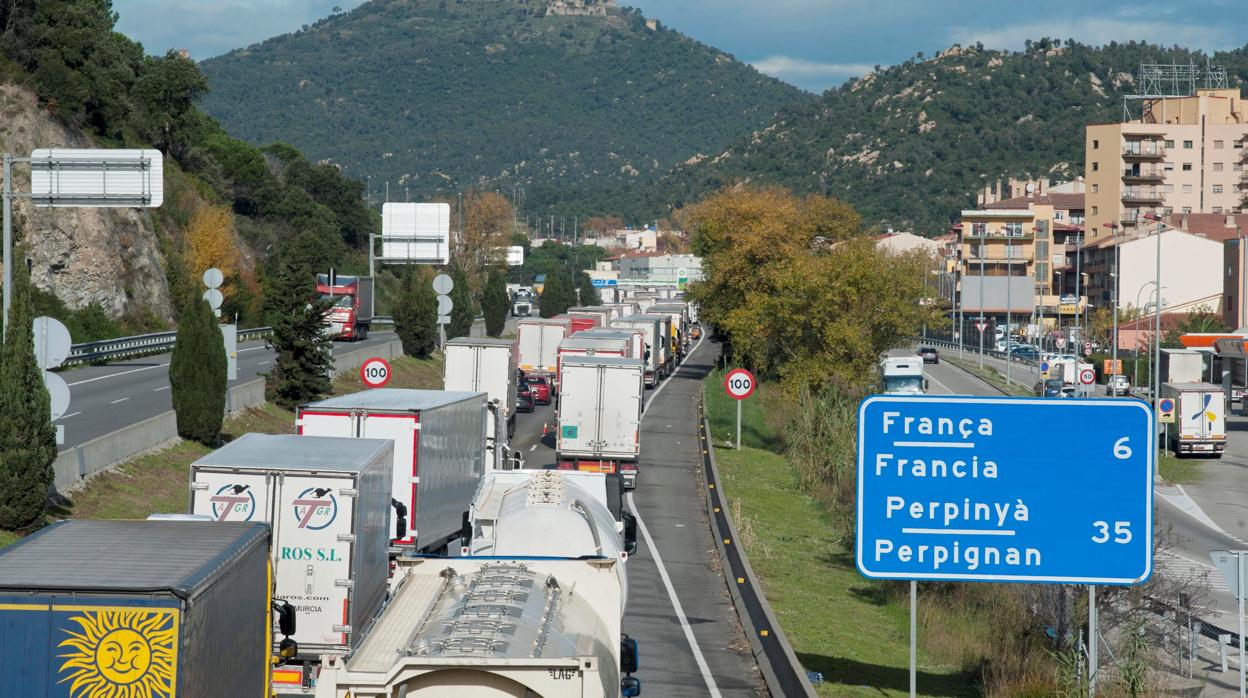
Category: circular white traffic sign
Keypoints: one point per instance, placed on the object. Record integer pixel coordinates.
(213, 278)
(443, 284)
(1087, 376)
(739, 383)
(375, 372)
(58, 394)
(52, 342)
(214, 297)
(445, 304)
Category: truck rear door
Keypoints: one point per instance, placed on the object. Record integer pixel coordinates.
(619, 411)
(403, 430)
(1191, 410)
(530, 346)
(312, 534)
(579, 411)
(230, 496)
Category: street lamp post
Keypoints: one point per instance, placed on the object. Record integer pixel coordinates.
(1113, 228)
(1135, 379)
(983, 250)
(1156, 382)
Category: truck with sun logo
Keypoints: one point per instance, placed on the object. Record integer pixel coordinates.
(137, 609)
(328, 502)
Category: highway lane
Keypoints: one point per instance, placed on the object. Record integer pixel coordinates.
(671, 503)
(104, 399)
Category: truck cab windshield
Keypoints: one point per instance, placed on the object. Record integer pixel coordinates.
(907, 385)
(340, 301)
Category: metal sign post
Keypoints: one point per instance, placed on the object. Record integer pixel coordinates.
(1231, 564)
(443, 285)
(739, 384)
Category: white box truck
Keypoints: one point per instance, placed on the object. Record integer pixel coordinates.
(538, 342)
(663, 340)
(680, 336)
(486, 366)
(328, 503)
(579, 345)
(1182, 366)
(599, 420)
(636, 339)
(651, 330)
(903, 375)
(1199, 425)
(438, 452)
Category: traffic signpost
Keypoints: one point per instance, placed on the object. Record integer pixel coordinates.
(375, 372)
(1165, 410)
(1231, 564)
(1087, 376)
(952, 489)
(739, 384)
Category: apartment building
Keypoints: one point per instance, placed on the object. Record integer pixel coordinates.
(1184, 155)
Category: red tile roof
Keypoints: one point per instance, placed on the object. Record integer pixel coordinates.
(1065, 202)
(1211, 225)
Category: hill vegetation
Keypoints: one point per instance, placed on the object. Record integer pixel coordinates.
(436, 97)
(909, 145)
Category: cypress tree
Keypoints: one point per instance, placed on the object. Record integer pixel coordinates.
(589, 294)
(462, 312)
(197, 374)
(557, 296)
(301, 371)
(27, 436)
(495, 304)
(416, 315)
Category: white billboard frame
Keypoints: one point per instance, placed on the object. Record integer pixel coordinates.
(96, 177)
(415, 233)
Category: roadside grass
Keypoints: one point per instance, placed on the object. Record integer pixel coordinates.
(1179, 471)
(158, 482)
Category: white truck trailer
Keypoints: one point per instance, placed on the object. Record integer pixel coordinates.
(903, 375)
(439, 454)
(538, 342)
(486, 366)
(488, 628)
(636, 339)
(663, 341)
(652, 337)
(1199, 425)
(580, 345)
(599, 420)
(327, 501)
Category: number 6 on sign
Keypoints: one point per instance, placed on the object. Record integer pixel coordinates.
(375, 372)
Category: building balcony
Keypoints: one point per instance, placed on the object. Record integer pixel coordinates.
(1025, 234)
(1143, 153)
(1143, 176)
(1142, 195)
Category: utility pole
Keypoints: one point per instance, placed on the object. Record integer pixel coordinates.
(983, 250)
(1009, 301)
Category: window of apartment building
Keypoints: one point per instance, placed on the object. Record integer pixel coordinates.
(979, 229)
(1096, 166)
(1058, 215)
(1187, 189)
(1167, 210)
(1096, 144)
(1168, 167)
(1095, 188)
(1014, 229)
(1217, 145)
(1169, 143)
(1168, 188)
(1095, 210)
(1187, 167)
(1187, 145)
(1217, 189)
(1187, 209)
(1236, 167)
(1217, 167)
(1217, 209)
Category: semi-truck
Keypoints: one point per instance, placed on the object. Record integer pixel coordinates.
(522, 302)
(579, 345)
(486, 366)
(599, 419)
(139, 608)
(439, 454)
(651, 331)
(351, 311)
(538, 342)
(903, 375)
(680, 338)
(327, 501)
(492, 627)
(1199, 426)
(662, 340)
(607, 490)
(636, 339)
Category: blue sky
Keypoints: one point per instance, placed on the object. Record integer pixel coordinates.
(814, 44)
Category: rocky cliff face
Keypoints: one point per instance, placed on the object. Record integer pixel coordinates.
(83, 255)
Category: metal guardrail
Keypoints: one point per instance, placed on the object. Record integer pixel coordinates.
(975, 350)
(156, 343)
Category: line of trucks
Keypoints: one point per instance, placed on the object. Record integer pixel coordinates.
(393, 546)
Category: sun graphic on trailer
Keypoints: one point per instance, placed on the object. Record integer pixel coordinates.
(121, 653)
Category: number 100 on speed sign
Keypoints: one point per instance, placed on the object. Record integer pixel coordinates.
(375, 372)
(1005, 489)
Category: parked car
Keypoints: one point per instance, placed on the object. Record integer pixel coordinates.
(540, 389)
(930, 355)
(1118, 384)
(1049, 387)
(524, 397)
(1025, 352)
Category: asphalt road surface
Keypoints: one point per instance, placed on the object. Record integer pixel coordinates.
(679, 610)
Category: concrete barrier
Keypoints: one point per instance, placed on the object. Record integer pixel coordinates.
(244, 396)
(350, 360)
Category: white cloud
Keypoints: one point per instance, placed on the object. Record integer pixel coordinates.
(1102, 30)
(810, 74)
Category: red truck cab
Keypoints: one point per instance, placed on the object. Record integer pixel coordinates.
(351, 314)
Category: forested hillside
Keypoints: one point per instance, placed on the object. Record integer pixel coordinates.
(68, 80)
(438, 96)
(909, 145)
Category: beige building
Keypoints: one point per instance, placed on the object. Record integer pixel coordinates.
(1184, 155)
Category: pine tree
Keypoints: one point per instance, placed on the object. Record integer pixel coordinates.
(557, 296)
(494, 303)
(197, 374)
(301, 371)
(462, 312)
(416, 315)
(27, 437)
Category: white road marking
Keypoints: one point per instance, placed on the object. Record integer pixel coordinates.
(933, 379)
(115, 375)
(252, 348)
(680, 611)
(263, 363)
(166, 387)
(71, 414)
(533, 447)
(114, 402)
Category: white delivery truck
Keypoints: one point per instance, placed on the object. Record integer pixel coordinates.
(1199, 425)
(1182, 366)
(538, 342)
(663, 341)
(327, 501)
(438, 452)
(579, 345)
(652, 338)
(599, 420)
(486, 366)
(903, 375)
(680, 335)
(636, 339)
(492, 627)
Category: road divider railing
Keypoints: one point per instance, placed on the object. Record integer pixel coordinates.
(157, 343)
(972, 350)
(782, 672)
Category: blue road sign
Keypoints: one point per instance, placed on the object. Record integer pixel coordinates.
(973, 489)
(603, 283)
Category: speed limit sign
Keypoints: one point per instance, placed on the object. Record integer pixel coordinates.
(375, 372)
(1087, 376)
(739, 383)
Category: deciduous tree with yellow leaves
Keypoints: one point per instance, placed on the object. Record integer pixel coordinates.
(210, 242)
